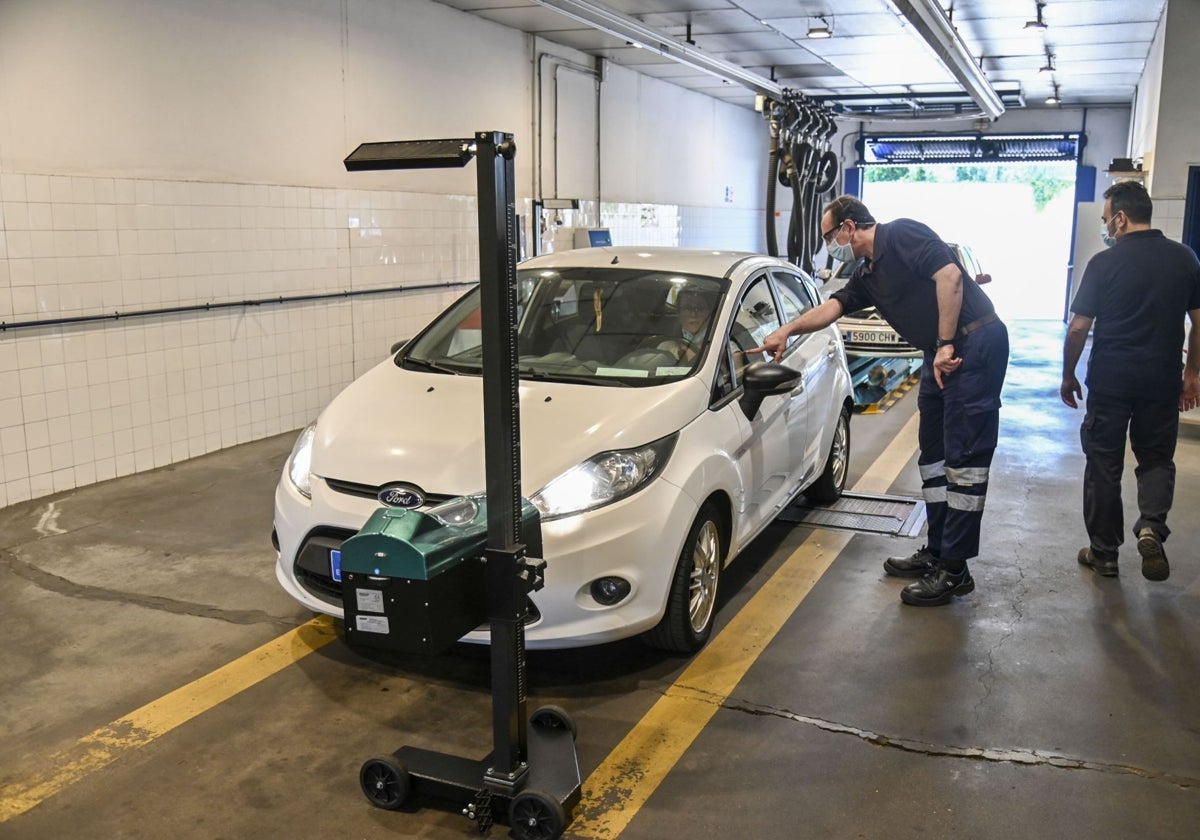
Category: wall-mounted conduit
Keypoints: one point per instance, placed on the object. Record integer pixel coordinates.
(207, 307)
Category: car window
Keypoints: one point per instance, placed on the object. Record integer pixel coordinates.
(755, 318)
(601, 326)
(796, 296)
(969, 264)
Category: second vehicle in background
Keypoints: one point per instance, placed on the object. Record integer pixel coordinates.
(865, 333)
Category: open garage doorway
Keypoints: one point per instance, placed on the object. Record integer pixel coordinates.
(1017, 217)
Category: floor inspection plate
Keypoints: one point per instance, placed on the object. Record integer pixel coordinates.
(868, 513)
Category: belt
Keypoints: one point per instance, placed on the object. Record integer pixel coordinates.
(990, 318)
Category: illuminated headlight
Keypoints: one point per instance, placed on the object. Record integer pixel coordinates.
(603, 479)
(299, 464)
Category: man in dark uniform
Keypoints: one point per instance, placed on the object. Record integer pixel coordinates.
(1136, 293)
(913, 279)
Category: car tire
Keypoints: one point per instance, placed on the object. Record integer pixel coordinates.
(692, 599)
(828, 488)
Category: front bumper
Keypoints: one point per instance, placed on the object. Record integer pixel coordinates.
(638, 538)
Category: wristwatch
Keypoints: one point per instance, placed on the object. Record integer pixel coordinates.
(942, 342)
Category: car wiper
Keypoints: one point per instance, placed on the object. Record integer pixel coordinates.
(425, 364)
(544, 376)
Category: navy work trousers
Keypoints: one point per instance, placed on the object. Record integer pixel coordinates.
(1152, 426)
(960, 425)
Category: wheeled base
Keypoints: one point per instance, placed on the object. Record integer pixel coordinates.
(537, 802)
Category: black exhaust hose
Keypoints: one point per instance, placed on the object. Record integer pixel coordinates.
(772, 166)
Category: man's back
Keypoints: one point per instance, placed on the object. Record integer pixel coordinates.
(1139, 292)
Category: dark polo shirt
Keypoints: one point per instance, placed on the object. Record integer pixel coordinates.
(898, 281)
(1139, 291)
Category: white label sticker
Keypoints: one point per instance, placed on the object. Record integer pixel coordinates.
(369, 600)
(372, 623)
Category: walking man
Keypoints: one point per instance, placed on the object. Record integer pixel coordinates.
(913, 278)
(1137, 293)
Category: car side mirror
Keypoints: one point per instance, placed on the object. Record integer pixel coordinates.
(981, 279)
(765, 379)
(398, 345)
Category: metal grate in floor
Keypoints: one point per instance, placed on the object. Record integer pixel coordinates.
(867, 513)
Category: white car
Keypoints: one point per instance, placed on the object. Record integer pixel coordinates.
(654, 446)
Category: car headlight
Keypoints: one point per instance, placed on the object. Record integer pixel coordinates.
(299, 464)
(603, 479)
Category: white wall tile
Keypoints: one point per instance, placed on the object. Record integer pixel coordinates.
(100, 400)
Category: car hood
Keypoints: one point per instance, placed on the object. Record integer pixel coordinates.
(426, 429)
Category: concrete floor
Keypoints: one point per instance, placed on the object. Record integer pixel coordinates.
(1049, 702)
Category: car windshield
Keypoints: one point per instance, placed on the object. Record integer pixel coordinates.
(599, 326)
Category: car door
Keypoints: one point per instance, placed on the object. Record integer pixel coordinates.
(815, 356)
(765, 457)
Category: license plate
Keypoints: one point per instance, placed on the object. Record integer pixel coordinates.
(335, 564)
(871, 337)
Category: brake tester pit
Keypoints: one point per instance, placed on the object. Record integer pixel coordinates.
(159, 683)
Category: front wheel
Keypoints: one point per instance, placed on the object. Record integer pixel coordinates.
(385, 782)
(535, 815)
(692, 600)
(828, 488)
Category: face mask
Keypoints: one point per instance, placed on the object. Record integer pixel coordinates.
(841, 253)
(1108, 240)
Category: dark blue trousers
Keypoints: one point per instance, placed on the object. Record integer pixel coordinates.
(960, 425)
(1152, 426)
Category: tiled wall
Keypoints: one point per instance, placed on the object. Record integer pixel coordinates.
(1168, 217)
(85, 402)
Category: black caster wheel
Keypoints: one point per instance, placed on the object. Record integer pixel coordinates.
(553, 717)
(384, 782)
(534, 815)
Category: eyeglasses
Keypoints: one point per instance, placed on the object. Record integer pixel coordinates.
(829, 236)
(693, 306)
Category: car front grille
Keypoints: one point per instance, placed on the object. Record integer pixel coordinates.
(371, 491)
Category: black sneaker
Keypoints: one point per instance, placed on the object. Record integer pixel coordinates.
(937, 588)
(1107, 568)
(1154, 559)
(920, 562)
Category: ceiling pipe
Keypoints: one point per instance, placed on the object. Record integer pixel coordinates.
(931, 22)
(629, 29)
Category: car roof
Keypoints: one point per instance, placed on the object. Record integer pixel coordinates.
(701, 261)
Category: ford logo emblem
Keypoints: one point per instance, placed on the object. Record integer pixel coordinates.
(401, 496)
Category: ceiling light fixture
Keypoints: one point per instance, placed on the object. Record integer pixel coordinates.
(1054, 99)
(823, 30)
(626, 28)
(928, 18)
(1039, 23)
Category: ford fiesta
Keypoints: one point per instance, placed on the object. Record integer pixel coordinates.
(654, 445)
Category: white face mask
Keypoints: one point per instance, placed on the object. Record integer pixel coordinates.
(840, 252)
(1105, 238)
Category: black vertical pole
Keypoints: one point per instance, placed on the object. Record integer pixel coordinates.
(502, 448)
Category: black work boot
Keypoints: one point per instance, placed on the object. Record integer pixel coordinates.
(1108, 568)
(937, 588)
(920, 562)
(1154, 559)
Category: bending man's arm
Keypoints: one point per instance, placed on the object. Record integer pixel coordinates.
(1077, 333)
(814, 319)
(949, 280)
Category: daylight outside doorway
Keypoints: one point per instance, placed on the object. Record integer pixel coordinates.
(1016, 217)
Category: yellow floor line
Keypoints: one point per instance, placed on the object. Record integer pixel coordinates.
(138, 728)
(617, 789)
(626, 778)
